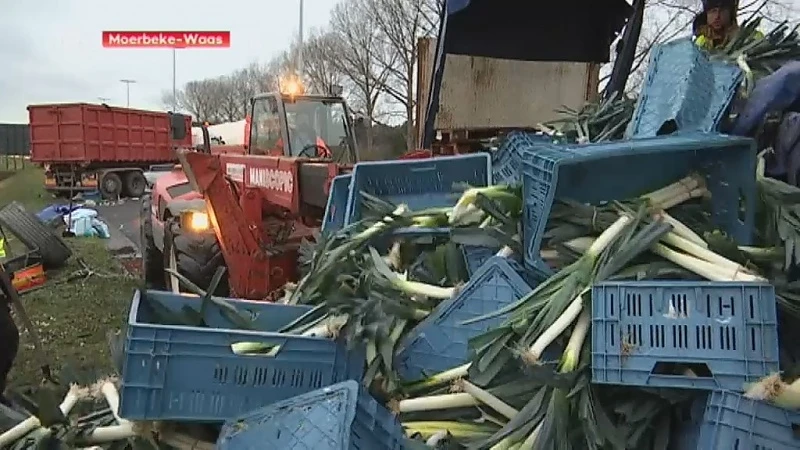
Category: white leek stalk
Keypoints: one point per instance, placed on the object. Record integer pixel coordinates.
(448, 376)
(701, 252)
(552, 333)
(435, 438)
(572, 311)
(487, 399)
(677, 200)
(572, 353)
(681, 230)
(329, 328)
(681, 187)
(32, 423)
(111, 395)
(505, 252)
(436, 402)
(704, 268)
(406, 286)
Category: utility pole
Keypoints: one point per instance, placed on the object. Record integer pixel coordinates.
(174, 83)
(300, 50)
(128, 90)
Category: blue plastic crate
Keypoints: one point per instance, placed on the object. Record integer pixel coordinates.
(730, 421)
(336, 208)
(440, 342)
(338, 417)
(639, 326)
(507, 160)
(476, 257)
(419, 183)
(683, 85)
(174, 372)
(594, 173)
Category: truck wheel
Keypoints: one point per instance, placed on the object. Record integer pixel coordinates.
(194, 255)
(110, 186)
(152, 259)
(135, 184)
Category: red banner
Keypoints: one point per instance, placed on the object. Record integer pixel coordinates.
(167, 39)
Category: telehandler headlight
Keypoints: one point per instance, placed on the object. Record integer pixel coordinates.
(195, 221)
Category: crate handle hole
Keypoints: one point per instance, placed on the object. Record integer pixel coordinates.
(256, 349)
(686, 369)
(742, 209)
(668, 127)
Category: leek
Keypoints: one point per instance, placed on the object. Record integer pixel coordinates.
(406, 286)
(773, 390)
(434, 402)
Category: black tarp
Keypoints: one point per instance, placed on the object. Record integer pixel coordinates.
(15, 139)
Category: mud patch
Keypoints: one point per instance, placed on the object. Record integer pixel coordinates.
(132, 264)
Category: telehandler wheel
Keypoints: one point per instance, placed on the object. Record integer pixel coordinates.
(135, 184)
(195, 255)
(152, 258)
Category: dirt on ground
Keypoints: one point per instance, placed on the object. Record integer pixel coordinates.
(79, 304)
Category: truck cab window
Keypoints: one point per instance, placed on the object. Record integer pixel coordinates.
(266, 129)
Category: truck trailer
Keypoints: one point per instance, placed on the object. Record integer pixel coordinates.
(86, 147)
(505, 65)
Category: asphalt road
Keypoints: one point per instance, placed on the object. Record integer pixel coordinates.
(123, 223)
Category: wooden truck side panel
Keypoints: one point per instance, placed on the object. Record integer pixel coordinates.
(487, 93)
(102, 135)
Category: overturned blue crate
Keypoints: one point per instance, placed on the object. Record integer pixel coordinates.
(475, 257)
(731, 421)
(727, 333)
(336, 208)
(440, 342)
(683, 89)
(178, 372)
(507, 160)
(594, 173)
(418, 183)
(338, 417)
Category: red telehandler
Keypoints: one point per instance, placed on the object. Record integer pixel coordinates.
(249, 211)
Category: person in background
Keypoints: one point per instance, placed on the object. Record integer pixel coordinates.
(716, 24)
(303, 136)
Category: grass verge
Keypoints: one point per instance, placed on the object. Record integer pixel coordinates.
(73, 311)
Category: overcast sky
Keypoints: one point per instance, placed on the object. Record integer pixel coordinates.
(51, 50)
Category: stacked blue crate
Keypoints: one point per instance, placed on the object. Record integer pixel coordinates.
(727, 332)
(179, 372)
(638, 327)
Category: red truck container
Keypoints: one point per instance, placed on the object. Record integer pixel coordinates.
(86, 147)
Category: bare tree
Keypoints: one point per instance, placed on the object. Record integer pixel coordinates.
(199, 98)
(357, 47)
(431, 13)
(400, 22)
(320, 66)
